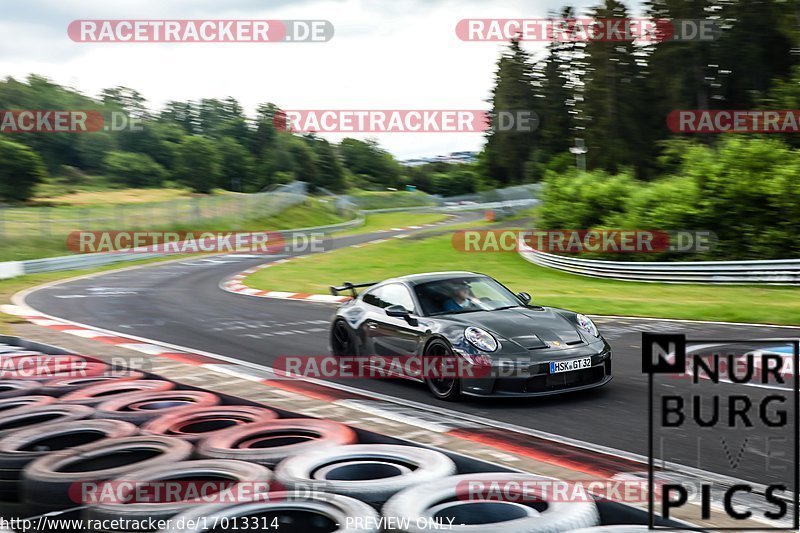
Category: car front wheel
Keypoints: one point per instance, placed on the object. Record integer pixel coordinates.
(445, 387)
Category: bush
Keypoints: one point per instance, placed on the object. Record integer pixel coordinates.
(579, 200)
(20, 170)
(133, 170)
(746, 191)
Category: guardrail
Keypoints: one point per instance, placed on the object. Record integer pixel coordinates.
(773, 272)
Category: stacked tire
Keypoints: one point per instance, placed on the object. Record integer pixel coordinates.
(85, 446)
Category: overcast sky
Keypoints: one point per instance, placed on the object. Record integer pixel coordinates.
(393, 54)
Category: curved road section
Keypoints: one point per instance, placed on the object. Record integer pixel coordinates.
(181, 303)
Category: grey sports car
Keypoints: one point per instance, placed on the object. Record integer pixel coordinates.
(503, 345)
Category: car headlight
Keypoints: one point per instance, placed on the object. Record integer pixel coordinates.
(481, 339)
(587, 325)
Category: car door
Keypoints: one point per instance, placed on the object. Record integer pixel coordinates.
(395, 336)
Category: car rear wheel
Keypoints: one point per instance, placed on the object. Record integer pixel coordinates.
(447, 388)
(343, 340)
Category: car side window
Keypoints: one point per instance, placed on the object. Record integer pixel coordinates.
(373, 298)
(394, 294)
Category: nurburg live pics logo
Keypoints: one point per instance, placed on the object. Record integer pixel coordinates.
(736, 397)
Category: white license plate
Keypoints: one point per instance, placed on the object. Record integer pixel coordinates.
(570, 364)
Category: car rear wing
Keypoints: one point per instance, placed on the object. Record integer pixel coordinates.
(347, 286)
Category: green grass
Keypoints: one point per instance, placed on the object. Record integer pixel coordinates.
(92, 197)
(379, 221)
(312, 212)
(57, 211)
(390, 199)
(758, 304)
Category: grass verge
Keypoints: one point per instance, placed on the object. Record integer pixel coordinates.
(757, 304)
(310, 213)
(379, 221)
(390, 199)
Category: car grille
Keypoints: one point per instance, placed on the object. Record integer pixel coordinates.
(565, 380)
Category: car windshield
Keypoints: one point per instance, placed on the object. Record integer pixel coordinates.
(464, 295)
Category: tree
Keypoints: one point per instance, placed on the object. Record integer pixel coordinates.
(182, 113)
(367, 159)
(614, 100)
(507, 151)
(237, 165)
(127, 100)
(198, 164)
(756, 49)
(20, 170)
(305, 163)
(785, 94)
(134, 170)
(556, 85)
(329, 170)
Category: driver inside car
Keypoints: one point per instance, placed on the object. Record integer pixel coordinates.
(460, 298)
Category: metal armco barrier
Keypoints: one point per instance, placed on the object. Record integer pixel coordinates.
(776, 272)
(11, 269)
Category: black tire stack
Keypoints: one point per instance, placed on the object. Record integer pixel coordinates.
(63, 440)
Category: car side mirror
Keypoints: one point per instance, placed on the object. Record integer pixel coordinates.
(397, 311)
(524, 296)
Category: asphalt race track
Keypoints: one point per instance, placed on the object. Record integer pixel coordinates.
(181, 303)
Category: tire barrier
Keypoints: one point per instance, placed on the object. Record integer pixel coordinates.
(23, 403)
(194, 423)
(445, 499)
(61, 386)
(34, 417)
(212, 479)
(57, 452)
(9, 388)
(94, 395)
(369, 472)
(139, 407)
(286, 513)
(56, 478)
(271, 442)
(21, 447)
